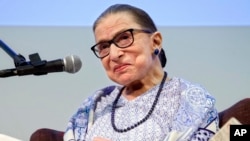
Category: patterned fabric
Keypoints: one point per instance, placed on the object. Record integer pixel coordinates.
(185, 111)
(202, 134)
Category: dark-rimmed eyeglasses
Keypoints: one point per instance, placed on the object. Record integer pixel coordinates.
(121, 40)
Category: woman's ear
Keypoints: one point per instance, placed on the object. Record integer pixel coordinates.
(157, 40)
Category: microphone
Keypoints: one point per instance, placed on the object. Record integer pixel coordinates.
(70, 64)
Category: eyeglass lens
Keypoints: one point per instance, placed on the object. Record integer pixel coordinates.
(121, 40)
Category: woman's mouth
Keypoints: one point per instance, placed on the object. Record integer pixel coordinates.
(120, 68)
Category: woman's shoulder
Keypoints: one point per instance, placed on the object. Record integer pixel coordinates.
(97, 96)
(188, 86)
(105, 92)
(194, 93)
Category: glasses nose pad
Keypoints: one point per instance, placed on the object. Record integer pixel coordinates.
(115, 52)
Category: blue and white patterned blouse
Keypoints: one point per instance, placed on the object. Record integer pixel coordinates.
(185, 111)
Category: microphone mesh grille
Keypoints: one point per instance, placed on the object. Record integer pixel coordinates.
(72, 64)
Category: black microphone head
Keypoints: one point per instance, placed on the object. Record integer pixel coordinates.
(72, 64)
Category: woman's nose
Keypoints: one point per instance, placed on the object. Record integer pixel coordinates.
(115, 52)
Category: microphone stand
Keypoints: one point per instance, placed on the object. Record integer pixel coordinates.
(20, 61)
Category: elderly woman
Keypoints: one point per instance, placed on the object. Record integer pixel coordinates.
(146, 105)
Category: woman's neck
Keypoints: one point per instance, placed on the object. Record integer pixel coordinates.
(139, 87)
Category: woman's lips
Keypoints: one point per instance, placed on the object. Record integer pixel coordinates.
(121, 67)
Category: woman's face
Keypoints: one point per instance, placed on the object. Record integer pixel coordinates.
(126, 65)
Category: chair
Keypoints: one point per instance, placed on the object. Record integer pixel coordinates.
(240, 110)
(46, 134)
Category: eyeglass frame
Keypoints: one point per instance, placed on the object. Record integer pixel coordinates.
(117, 35)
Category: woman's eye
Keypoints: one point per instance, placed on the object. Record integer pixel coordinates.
(103, 46)
(123, 36)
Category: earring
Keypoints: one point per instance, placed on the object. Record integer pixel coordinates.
(156, 51)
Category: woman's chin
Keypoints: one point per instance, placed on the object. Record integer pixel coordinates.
(123, 80)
